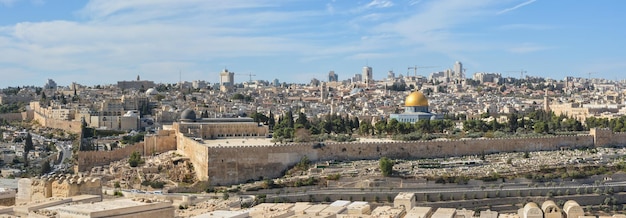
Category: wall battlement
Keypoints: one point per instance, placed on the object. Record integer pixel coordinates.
(152, 144)
(225, 165)
(39, 188)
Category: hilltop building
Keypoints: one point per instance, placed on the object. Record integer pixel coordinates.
(214, 128)
(332, 76)
(227, 80)
(415, 109)
(368, 76)
(136, 84)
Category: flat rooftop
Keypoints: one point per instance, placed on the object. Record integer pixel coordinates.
(236, 142)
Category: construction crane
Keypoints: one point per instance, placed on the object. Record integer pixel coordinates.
(589, 75)
(414, 68)
(247, 74)
(521, 72)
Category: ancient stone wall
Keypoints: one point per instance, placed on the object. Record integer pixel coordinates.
(606, 137)
(232, 165)
(12, 117)
(197, 154)
(88, 159)
(70, 126)
(161, 142)
(33, 189)
(152, 144)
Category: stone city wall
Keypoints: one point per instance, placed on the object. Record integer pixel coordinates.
(88, 159)
(606, 137)
(197, 153)
(164, 140)
(28, 115)
(236, 164)
(70, 126)
(152, 144)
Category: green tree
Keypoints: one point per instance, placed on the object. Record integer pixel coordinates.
(386, 166)
(135, 159)
(272, 121)
(302, 120)
(541, 127)
(28, 146)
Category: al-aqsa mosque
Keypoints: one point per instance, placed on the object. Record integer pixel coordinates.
(415, 109)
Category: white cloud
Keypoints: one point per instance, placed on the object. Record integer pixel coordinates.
(160, 37)
(432, 27)
(516, 7)
(379, 4)
(522, 26)
(7, 3)
(528, 48)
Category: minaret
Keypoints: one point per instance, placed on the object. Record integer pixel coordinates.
(546, 101)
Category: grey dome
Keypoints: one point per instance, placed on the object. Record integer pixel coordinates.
(188, 115)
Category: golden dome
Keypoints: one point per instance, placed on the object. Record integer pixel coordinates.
(416, 99)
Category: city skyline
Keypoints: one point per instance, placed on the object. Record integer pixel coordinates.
(101, 42)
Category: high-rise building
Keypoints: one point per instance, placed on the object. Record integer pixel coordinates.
(332, 77)
(391, 75)
(50, 84)
(367, 74)
(458, 70)
(357, 78)
(227, 80)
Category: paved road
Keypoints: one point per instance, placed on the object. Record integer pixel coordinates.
(65, 147)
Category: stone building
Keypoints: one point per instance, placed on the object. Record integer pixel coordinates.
(215, 128)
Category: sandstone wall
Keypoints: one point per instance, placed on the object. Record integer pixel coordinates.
(232, 165)
(606, 137)
(159, 143)
(70, 126)
(88, 159)
(197, 154)
(33, 189)
(13, 116)
(152, 144)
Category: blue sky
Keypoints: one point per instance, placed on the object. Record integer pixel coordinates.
(104, 41)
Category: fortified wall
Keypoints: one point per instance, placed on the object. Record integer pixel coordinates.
(22, 116)
(236, 164)
(606, 137)
(33, 189)
(152, 144)
(197, 153)
(70, 126)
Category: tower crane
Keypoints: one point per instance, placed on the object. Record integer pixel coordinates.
(414, 68)
(521, 72)
(589, 75)
(249, 75)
